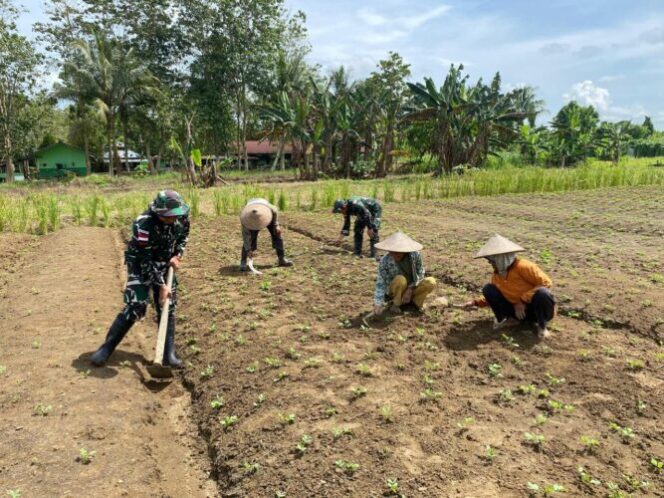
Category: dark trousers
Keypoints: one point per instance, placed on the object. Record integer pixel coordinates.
(277, 242)
(358, 232)
(540, 310)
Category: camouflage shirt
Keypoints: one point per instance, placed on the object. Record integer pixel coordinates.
(154, 243)
(366, 209)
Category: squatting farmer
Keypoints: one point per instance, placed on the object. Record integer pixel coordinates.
(159, 238)
(367, 213)
(519, 289)
(401, 277)
(255, 216)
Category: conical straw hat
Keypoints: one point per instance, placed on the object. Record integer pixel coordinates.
(255, 216)
(498, 245)
(399, 242)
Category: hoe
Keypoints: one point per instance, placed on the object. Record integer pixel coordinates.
(157, 369)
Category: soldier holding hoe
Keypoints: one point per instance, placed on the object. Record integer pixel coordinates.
(159, 238)
(367, 212)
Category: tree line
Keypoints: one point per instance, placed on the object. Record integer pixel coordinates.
(178, 79)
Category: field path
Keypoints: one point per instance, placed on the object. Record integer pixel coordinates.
(54, 312)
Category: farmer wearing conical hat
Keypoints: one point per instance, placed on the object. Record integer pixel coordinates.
(401, 274)
(159, 238)
(519, 289)
(367, 213)
(255, 216)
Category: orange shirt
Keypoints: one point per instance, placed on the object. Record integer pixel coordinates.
(523, 279)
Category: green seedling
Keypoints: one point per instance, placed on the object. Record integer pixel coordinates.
(635, 365)
(529, 389)
(541, 419)
(253, 368)
(587, 479)
(386, 413)
(430, 366)
(303, 445)
(543, 393)
(281, 376)
(292, 354)
(85, 456)
(250, 468)
(286, 418)
(272, 362)
(490, 453)
(348, 468)
(557, 406)
(330, 411)
(516, 361)
(610, 352)
(590, 443)
(265, 285)
(240, 340)
(546, 490)
(359, 392)
(656, 465)
(535, 440)
(339, 432)
(554, 381)
(466, 422)
(506, 396)
(14, 493)
(279, 494)
(3, 369)
(228, 421)
(217, 402)
(392, 487)
(85, 373)
(430, 395)
(584, 356)
(207, 372)
(260, 399)
(42, 410)
(509, 341)
(495, 370)
(337, 357)
(626, 433)
(313, 362)
(634, 483)
(641, 407)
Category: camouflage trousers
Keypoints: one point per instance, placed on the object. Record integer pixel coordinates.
(137, 294)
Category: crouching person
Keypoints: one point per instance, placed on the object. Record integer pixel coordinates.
(519, 289)
(255, 216)
(159, 238)
(401, 278)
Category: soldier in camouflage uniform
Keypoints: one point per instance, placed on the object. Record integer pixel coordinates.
(367, 212)
(159, 238)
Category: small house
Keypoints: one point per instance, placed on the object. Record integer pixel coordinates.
(57, 160)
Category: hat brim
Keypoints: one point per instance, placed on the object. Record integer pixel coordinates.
(179, 211)
(411, 247)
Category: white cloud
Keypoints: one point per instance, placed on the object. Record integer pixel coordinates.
(609, 78)
(408, 23)
(413, 22)
(587, 93)
(372, 18)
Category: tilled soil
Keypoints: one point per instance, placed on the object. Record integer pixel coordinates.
(59, 294)
(298, 398)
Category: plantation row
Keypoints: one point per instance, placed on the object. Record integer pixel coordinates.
(43, 212)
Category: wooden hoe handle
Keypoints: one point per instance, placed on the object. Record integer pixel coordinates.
(163, 323)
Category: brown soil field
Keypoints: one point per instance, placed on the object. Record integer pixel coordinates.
(296, 396)
(288, 393)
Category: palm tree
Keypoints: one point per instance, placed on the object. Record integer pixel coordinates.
(109, 76)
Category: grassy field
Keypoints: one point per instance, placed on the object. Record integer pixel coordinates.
(110, 202)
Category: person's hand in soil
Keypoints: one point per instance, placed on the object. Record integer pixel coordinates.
(407, 296)
(250, 254)
(520, 310)
(164, 293)
(378, 309)
(175, 262)
(370, 233)
(278, 230)
(469, 305)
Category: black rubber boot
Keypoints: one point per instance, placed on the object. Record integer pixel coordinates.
(169, 348)
(282, 259)
(243, 261)
(116, 333)
(358, 244)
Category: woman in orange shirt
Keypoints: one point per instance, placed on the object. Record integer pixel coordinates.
(519, 289)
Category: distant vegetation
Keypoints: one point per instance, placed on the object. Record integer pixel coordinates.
(182, 81)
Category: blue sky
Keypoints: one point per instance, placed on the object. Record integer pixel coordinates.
(609, 53)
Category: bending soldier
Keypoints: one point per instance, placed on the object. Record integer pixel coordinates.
(367, 212)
